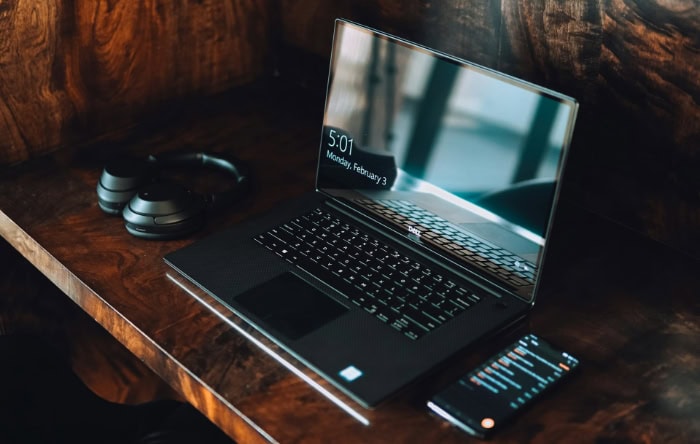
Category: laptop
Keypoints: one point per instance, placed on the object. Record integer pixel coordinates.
(435, 188)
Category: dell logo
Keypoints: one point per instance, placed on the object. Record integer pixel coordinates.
(414, 231)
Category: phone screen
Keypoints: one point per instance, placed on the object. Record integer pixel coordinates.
(484, 399)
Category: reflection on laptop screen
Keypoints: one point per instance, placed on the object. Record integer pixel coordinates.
(457, 157)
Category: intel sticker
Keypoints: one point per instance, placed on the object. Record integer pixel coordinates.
(350, 373)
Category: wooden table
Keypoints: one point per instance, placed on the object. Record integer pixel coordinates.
(626, 306)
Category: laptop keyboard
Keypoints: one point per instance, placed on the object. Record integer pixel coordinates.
(444, 235)
(398, 290)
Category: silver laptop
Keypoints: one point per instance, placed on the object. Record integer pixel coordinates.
(435, 188)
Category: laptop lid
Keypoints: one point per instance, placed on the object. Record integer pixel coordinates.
(463, 161)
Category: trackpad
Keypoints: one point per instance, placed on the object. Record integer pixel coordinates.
(290, 306)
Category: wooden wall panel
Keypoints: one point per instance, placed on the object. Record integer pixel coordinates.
(634, 65)
(32, 111)
(74, 69)
(71, 70)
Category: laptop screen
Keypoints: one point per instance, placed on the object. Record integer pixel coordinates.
(460, 159)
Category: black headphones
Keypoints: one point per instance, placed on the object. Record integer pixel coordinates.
(155, 209)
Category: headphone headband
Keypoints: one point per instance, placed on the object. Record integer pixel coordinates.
(217, 162)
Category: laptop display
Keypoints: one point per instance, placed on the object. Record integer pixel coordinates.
(459, 158)
(426, 230)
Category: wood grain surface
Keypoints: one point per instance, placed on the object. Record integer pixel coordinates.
(626, 306)
(32, 307)
(75, 70)
(633, 65)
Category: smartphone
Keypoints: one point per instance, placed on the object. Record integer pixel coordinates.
(489, 396)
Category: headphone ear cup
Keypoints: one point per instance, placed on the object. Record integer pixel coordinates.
(164, 211)
(119, 182)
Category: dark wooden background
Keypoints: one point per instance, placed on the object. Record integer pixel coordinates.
(73, 70)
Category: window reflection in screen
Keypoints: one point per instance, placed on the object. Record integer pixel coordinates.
(463, 130)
